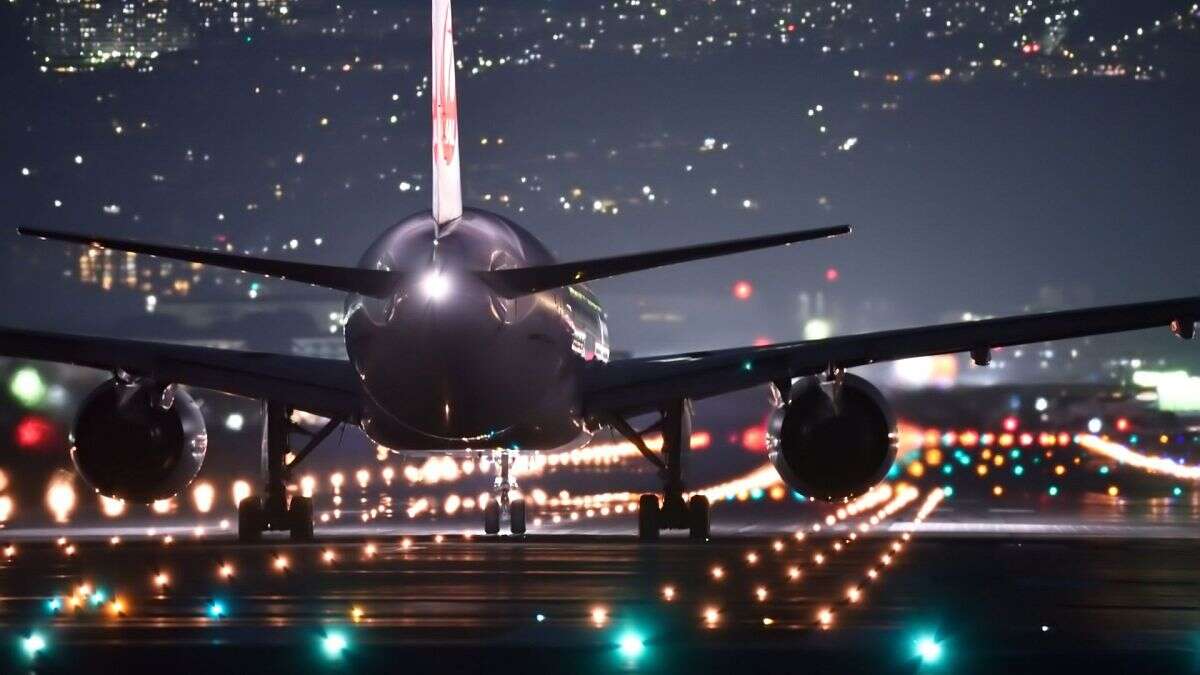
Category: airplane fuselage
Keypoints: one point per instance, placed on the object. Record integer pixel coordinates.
(446, 364)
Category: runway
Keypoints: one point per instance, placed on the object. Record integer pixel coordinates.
(602, 602)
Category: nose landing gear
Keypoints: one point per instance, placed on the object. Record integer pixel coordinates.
(501, 502)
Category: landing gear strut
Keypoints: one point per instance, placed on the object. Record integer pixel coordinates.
(673, 512)
(501, 503)
(272, 510)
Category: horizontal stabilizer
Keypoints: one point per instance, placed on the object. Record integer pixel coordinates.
(514, 283)
(376, 283)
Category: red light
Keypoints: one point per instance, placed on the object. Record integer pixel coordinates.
(762, 341)
(831, 274)
(1122, 424)
(1010, 423)
(742, 290)
(754, 439)
(33, 431)
(791, 28)
(701, 440)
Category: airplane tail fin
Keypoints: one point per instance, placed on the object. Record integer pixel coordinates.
(513, 283)
(447, 183)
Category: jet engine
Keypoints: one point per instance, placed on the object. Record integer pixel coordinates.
(138, 441)
(832, 440)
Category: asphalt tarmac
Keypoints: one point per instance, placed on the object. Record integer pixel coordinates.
(971, 588)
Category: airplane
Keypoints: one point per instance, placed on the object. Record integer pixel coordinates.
(465, 335)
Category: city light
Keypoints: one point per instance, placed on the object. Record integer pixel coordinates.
(33, 432)
(27, 387)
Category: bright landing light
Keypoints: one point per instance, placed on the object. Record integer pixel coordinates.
(435, 285)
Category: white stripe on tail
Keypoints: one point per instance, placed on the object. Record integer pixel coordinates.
(447, 185)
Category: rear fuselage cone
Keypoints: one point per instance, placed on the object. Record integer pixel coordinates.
(445, 362)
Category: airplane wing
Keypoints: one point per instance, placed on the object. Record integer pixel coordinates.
(635, 386)
(325, 387)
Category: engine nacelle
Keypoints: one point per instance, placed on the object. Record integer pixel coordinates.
(833, 449)
(138, 441)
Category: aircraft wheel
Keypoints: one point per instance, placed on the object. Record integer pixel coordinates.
(516, 516)
(300, 519)
(251, 519)
(698, 520)
(648, 517)
(491, 517)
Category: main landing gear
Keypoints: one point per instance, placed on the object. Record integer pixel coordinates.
(501, 503)
(272, 510)
(673, 512)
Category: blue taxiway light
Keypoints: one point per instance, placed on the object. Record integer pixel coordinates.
(929, 649)
(33, 644)
(334, 644)
(631, 644)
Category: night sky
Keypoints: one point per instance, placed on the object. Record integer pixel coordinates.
(991, 162)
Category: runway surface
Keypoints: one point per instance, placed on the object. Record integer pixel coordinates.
(1042, 597)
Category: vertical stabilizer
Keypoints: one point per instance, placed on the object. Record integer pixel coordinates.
(447, 185)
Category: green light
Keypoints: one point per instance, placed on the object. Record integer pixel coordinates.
(33, 644)
(747, 366)
(631, 645)
(948, 490)
(27, 387)
(1018, 470)
(1104, 469)
(928, 649)
(1053, 491)
(334, 644)
(53, 604)
(98, 597)
(756, 493)
(1177, 490)
(216, 610)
